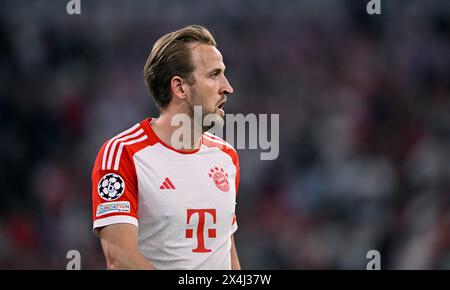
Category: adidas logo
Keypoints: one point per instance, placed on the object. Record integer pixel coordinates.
(167, 184)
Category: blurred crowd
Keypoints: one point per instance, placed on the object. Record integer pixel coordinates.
(364, 105)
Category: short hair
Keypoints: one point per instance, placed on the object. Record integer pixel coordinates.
(171, 56)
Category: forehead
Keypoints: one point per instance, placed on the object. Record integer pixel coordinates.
(206, 57)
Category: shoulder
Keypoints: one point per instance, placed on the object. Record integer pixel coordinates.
(210, 140)
(129, 141)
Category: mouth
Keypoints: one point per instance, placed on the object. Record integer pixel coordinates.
(221, 104)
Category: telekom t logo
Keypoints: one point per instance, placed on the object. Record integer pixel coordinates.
(200, 228)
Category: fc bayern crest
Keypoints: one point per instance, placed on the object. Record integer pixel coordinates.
(220, 178)
(111, 186)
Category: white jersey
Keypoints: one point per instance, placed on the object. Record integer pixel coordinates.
(183, 203)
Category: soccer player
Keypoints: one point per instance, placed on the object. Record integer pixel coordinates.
(157, 205)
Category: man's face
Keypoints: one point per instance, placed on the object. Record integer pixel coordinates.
(210, 84)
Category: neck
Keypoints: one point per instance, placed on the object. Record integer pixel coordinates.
(182, 135)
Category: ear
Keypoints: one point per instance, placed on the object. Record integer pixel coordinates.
(178, 87)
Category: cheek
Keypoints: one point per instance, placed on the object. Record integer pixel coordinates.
(209, 104)
(209, 96)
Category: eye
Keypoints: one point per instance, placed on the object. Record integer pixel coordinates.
(215, 74)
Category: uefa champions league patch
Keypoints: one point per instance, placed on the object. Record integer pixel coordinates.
(111, 186)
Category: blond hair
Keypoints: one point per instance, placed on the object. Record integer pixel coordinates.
(171, 56)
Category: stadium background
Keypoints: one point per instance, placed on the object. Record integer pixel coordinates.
(364, 125)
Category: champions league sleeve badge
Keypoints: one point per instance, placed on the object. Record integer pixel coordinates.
(111, 186)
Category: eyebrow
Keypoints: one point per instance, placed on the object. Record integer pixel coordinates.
(216, 70)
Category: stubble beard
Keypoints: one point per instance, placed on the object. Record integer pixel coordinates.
(195, 101)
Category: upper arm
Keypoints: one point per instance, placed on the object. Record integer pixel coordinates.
(235, 265)
(119, 242)
(119, 235)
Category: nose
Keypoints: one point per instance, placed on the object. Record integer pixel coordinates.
(226, 88)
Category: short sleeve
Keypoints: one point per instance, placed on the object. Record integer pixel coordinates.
(114, 188)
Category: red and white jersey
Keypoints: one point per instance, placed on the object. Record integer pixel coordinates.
(183, 203)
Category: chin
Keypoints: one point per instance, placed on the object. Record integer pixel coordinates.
(215, 119)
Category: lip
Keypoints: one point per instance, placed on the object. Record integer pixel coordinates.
(220, 107)
(221, 104)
